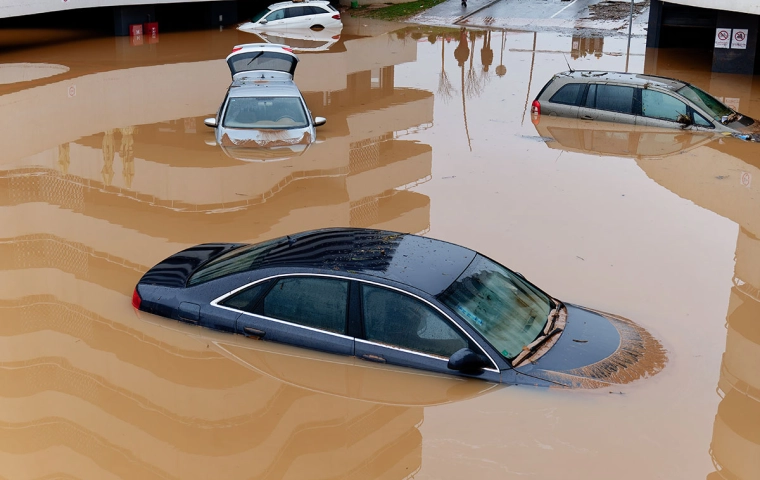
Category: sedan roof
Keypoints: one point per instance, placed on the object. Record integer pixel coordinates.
(426, 264)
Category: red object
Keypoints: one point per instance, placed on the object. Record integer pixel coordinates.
(235, 49)
(135, 29)
(535, 112)
(336, 16)
(150, 29)
(288, 49)
(136, 300)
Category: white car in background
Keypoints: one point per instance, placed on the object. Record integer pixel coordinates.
(285, 16)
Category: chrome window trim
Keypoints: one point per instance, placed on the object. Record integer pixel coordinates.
(216, 301)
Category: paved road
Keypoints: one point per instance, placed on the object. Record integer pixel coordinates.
(523, 15)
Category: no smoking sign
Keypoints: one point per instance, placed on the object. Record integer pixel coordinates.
(722, 38)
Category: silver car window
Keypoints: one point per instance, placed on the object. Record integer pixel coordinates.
(613, 98)
(659, 105)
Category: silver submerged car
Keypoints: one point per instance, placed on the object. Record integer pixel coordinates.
(638, 99)
(263, 108)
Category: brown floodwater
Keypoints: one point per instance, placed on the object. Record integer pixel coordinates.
(107, 168)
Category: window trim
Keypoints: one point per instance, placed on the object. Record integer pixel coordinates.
(215, 303)
(579, 96)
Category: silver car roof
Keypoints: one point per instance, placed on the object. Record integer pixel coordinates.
(635, 79)
(243, 88)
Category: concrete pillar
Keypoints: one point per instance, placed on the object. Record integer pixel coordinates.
(223, 13)
(124, 16)
(733, 60)
(655, 24)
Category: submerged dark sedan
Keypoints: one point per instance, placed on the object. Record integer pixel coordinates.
(400, 299)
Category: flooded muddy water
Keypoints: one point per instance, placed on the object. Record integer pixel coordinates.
(107, 168)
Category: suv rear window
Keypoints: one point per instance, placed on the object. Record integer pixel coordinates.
(569, 94)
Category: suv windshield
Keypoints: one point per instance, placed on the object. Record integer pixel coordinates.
(705, 101)
(260, 15)
(507, 310)
(265, 112)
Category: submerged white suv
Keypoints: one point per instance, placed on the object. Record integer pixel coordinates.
(295, 15)
(263, 108)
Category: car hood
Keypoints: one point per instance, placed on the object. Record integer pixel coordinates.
(597, 349)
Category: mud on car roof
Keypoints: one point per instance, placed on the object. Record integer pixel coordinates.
(634, 79)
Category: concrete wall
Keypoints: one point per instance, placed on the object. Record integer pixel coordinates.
(744, 6)
(14, 8)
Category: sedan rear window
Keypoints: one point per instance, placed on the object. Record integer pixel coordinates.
(568, 94)
(239, 260)
(265, 112)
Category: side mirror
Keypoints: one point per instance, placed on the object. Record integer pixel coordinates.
(467, 361)
(684, 120)
(319, 121)
(263, 21)
(210, 122)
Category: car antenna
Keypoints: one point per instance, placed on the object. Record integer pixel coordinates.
(568, 64)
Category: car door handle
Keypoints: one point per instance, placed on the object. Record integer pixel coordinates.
(254, 332)
(587, 117)
(373, 358)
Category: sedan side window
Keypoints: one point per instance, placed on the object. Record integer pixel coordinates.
(659, 105)
(399, 320)
(315, 302)
(613, 98)
(247, 299)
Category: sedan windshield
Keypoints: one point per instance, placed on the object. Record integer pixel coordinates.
(705, 101)
(265, 112)
(507, 310)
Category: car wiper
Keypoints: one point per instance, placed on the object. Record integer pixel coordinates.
(255, 57)
(552, 317)
(530, 349)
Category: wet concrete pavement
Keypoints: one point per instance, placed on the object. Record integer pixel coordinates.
(107, 169)
(540, 15)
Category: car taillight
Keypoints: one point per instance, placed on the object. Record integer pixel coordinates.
(288, 49)
(535, 107)
(136, 300)
(236, 49)
(336, 37)
(336, 16)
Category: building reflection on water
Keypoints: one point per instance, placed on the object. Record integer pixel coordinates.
(717, 174)
(91, 391)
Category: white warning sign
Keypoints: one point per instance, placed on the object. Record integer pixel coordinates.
(722, 37)
(739, 39)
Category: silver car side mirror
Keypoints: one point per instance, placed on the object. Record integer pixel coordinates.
(263, 21)
(319, 121)
(210, 122)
